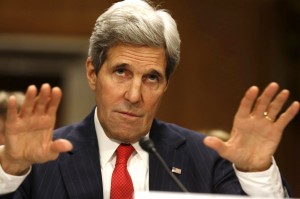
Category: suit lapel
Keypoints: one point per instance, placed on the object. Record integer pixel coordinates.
(80, 168)
(167, 143)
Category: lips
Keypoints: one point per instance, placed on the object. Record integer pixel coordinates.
(130, 114)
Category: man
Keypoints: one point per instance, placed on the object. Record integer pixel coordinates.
(134, 49)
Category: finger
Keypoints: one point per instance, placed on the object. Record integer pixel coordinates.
(264, 100)
(56, 95)
(277, 104)
(28, 104)
(247, 102)
(216, 144)
(61, 145)
(287, 116)
(42, 99)
(12, 109)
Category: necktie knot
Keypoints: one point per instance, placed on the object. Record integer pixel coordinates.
(124, 151)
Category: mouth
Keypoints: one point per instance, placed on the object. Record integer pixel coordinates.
(129, 114)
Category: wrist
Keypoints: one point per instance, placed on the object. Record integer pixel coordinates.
(254, 168)
(11, 166)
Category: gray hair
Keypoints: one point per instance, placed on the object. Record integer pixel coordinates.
(135, 22)
(4, 96)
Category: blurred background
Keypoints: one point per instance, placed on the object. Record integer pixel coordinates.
(227, 46)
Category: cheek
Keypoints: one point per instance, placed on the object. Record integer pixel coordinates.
(107, 93)
(153, 101)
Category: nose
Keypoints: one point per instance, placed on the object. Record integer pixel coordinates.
(133, 93)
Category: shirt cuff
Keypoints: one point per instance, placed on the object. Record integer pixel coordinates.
(10, 183)
(262, 184)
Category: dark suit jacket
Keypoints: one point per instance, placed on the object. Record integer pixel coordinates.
(77, 174)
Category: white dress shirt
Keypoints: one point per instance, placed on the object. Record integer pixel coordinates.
(137, 164)
(263, 184)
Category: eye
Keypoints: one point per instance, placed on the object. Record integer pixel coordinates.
(121, 74)
(153, 77)
(120, 71)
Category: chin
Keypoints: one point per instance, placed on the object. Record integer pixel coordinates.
(129, 138)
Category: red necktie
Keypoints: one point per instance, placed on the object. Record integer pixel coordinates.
(121, 183)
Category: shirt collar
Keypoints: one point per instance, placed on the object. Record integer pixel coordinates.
(107, 146)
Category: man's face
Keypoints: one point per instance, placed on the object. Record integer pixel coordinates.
(129, 88)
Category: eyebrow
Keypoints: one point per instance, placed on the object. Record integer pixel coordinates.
(126, 65)
(155, 72)
(119, 65)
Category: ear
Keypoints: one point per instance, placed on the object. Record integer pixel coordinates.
(91, 73)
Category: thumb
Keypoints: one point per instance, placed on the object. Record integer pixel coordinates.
(216, 144)
(61, 145)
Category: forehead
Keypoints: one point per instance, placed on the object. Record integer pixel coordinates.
(134, 54)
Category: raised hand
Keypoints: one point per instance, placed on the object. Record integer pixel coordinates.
(257, 129)
(28, 134)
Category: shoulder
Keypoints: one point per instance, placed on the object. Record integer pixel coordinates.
(186, 143)
(80, 131)
(169, 129)
(179, 138)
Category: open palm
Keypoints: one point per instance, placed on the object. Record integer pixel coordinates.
(28, 134)
(257, 129)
